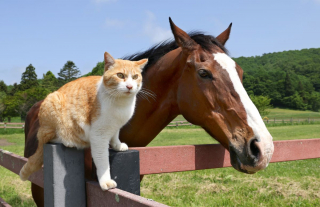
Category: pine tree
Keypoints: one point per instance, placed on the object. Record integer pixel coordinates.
(50, 81)
(68, 73)
(28, 78)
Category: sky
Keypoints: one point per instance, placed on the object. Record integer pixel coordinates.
(47, 33)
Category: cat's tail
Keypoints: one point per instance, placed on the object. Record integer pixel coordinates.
(35, 162)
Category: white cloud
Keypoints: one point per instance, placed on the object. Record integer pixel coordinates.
(114, 23)
(153, 31)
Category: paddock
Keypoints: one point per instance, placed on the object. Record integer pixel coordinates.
(157, 160)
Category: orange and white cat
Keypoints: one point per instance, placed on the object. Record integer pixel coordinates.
(89, 112)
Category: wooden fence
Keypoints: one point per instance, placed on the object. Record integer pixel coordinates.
(266, 120)
(5, 125)
(155, 160)
(186, 123)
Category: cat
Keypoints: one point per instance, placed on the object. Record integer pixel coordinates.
(89, 112)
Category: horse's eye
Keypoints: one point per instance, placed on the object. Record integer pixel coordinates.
(120, 75)
(203, 73)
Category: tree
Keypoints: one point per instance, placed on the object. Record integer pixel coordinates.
(314, 101)
(28, 78)
(2, 106)
(11, 104)
(3, 87)
(262, 103)
(68, 73)
(295, 102)
(49, 81)
(98, 70)
(28, 98)
(289, 89)
(14, 89)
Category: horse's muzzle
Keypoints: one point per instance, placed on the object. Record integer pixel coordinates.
(253, 157)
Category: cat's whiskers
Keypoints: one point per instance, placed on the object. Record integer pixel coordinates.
(150, 92)
(147, 93)
(111, 95)
(143, 96)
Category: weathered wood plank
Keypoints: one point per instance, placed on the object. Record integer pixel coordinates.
(115, 197)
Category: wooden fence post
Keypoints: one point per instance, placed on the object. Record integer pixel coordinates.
(64, 174)
(125, 170)
(64, 180)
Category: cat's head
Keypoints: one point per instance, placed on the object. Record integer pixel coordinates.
(122, 78)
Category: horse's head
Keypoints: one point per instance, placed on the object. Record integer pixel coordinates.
(211, 94)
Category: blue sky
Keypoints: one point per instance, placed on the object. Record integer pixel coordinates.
(48, 33)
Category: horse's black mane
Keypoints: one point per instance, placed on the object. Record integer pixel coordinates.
(158, 50)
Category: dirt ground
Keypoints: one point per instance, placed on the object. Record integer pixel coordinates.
(4, 142)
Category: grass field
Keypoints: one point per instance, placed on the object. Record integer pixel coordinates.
(281, 184)
(288, 113)
(281, 114)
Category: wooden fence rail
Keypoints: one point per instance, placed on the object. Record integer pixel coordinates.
(5, 125)
(155, 160)
(186, 123)
(270, 120)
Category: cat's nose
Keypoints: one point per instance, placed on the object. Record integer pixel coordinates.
(129, 87)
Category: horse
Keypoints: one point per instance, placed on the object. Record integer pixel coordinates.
(191, 75)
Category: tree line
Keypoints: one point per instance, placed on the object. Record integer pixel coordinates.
(289, 79)
(17, 99)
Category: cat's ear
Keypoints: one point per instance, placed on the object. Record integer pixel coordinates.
(142, 63)
(108, 61)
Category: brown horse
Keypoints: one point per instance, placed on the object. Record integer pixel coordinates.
(195, 77)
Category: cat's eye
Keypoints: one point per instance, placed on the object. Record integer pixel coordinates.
(120, 75)
(135, 77)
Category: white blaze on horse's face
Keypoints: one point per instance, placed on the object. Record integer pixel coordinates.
(254, 119)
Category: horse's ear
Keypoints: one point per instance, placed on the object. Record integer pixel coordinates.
(224, 36)
(108, 61)
(182, 38)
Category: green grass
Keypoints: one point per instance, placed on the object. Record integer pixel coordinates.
(288, 113)
(11, 131)
(14, 120)
(16, 141)
(280, 114)
(281, 184)
(195, 135)
(293, 183)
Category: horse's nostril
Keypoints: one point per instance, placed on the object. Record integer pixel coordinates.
(254, 150)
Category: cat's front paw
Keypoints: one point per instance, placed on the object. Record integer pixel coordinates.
(121, 147)
(108, 184)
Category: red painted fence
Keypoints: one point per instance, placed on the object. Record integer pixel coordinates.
(155, 160)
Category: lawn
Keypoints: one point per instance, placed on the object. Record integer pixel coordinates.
(288, 113)
(281, 184)
(281, 114)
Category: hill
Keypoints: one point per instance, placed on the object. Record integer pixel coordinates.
(290, 78)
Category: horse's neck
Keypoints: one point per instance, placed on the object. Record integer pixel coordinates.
(151, 116)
